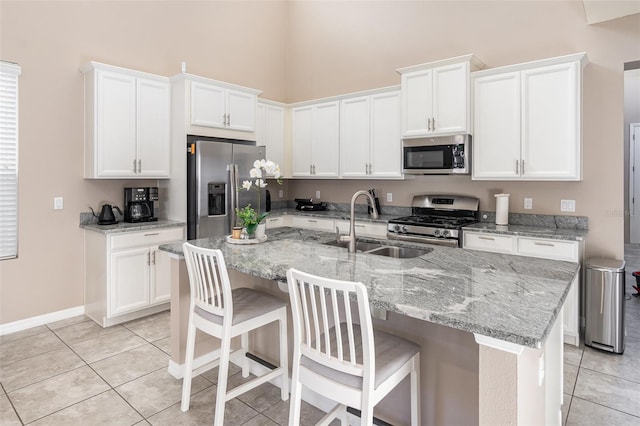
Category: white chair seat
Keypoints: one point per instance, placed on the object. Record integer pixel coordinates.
(391, 352)
(247, 304)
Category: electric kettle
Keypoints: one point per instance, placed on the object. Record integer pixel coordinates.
(107, 217)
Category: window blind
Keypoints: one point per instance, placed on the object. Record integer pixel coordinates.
(9, 73)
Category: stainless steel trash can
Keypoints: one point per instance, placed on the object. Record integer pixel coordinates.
(604, 304)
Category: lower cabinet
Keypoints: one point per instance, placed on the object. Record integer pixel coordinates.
(363, 229)
(543, 248)
(126, 277)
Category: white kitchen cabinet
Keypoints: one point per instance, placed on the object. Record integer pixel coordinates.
(277, 221)
(364, 229)
(126, 276)
(313, 223)
(270, 130)
(316, 138)
(370, 136)
(543, 248)
(527, 121)
(436, 97)
(217, 105)
(127, 123)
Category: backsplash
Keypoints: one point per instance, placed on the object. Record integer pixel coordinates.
(542, 220)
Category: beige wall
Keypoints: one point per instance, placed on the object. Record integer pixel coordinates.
(239, 42)
(292, 51)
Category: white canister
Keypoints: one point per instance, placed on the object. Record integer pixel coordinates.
(502, 209)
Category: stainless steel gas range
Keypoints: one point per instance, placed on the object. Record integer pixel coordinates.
(436, 219)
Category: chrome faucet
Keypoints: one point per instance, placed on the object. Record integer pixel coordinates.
(351, 238)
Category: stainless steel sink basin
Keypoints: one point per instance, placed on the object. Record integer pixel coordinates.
(399, 252)
(382, 250)
(360, 245)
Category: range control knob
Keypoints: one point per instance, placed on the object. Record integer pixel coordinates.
(396, 228)
(446, 234)
(436, 233)
(405, 229)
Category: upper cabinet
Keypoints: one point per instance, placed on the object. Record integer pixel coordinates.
(436, 97)
(527, 121)
(220, 105)
(270, 130)
(127, 123)
(315, 138)
(370, 136)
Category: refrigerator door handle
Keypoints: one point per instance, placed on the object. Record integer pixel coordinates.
(233, 180)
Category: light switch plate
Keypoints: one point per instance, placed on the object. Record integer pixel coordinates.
(58, 203)
(389, 197)
(317, 195)
(528, 203)
(567, 205)
(280, 193)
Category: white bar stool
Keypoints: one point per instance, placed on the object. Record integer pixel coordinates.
(352, 364)
(224, 313)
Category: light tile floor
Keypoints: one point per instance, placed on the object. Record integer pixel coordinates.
(74, 372)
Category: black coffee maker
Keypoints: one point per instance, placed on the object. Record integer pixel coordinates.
(139, 203)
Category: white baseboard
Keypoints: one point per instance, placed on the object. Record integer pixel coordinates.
(24, 324)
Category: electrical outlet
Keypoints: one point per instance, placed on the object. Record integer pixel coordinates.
(58, 203)
(389, 197)
(280, 193)
(567, 205)
(317, 195)
(528, 203)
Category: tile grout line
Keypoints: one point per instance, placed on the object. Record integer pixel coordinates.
(605, 406)
(11, 403)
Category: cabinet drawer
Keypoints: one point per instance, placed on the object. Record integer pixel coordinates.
(364, 229)
(548, 249)
(312, 223)
(490, 242)
(275, 222)
(146, 238)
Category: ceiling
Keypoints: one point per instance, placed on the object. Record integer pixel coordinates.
(606, 10)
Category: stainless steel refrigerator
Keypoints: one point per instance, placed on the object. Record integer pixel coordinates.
(215, 171)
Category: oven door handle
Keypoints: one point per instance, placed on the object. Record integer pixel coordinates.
(422, 239)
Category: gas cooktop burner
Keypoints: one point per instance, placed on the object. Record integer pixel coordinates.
(439, 221)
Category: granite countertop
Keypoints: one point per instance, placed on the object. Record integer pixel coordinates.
(131, 227)
(529, 231)
(512, 298)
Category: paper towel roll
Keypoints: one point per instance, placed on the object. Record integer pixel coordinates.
(502, 209)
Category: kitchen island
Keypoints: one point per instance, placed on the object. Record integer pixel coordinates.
(505, 306)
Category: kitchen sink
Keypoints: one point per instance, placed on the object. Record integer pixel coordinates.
(399, 252)
(380, 249)
(362, 246)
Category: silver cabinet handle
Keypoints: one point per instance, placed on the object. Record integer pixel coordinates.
(522, 167)
(433, 124)
(487, 238)
(151, 234)
(544, 244)
(148, 258)
(428, 124)
(517, 167)
(139, 166)
(312, 221)
(134, 166)
(228, 119)
(154, 257)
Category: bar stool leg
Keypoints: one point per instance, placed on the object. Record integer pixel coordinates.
(284, 357)
(223, 370)
(188, 365)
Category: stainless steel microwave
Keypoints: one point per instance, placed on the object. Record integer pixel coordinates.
(438, 155)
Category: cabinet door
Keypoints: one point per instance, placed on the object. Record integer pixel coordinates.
(241, 108)
(153, 130)
(417, 102)
(207, 105)
(550, 123)
(129, 281)
(326, 140)
(354, 137)
(302, 139)
(451, 99)
(270, 131)
(496, 141)
(116, 124)
(385, 146)
(570, 316)
(160, 277)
